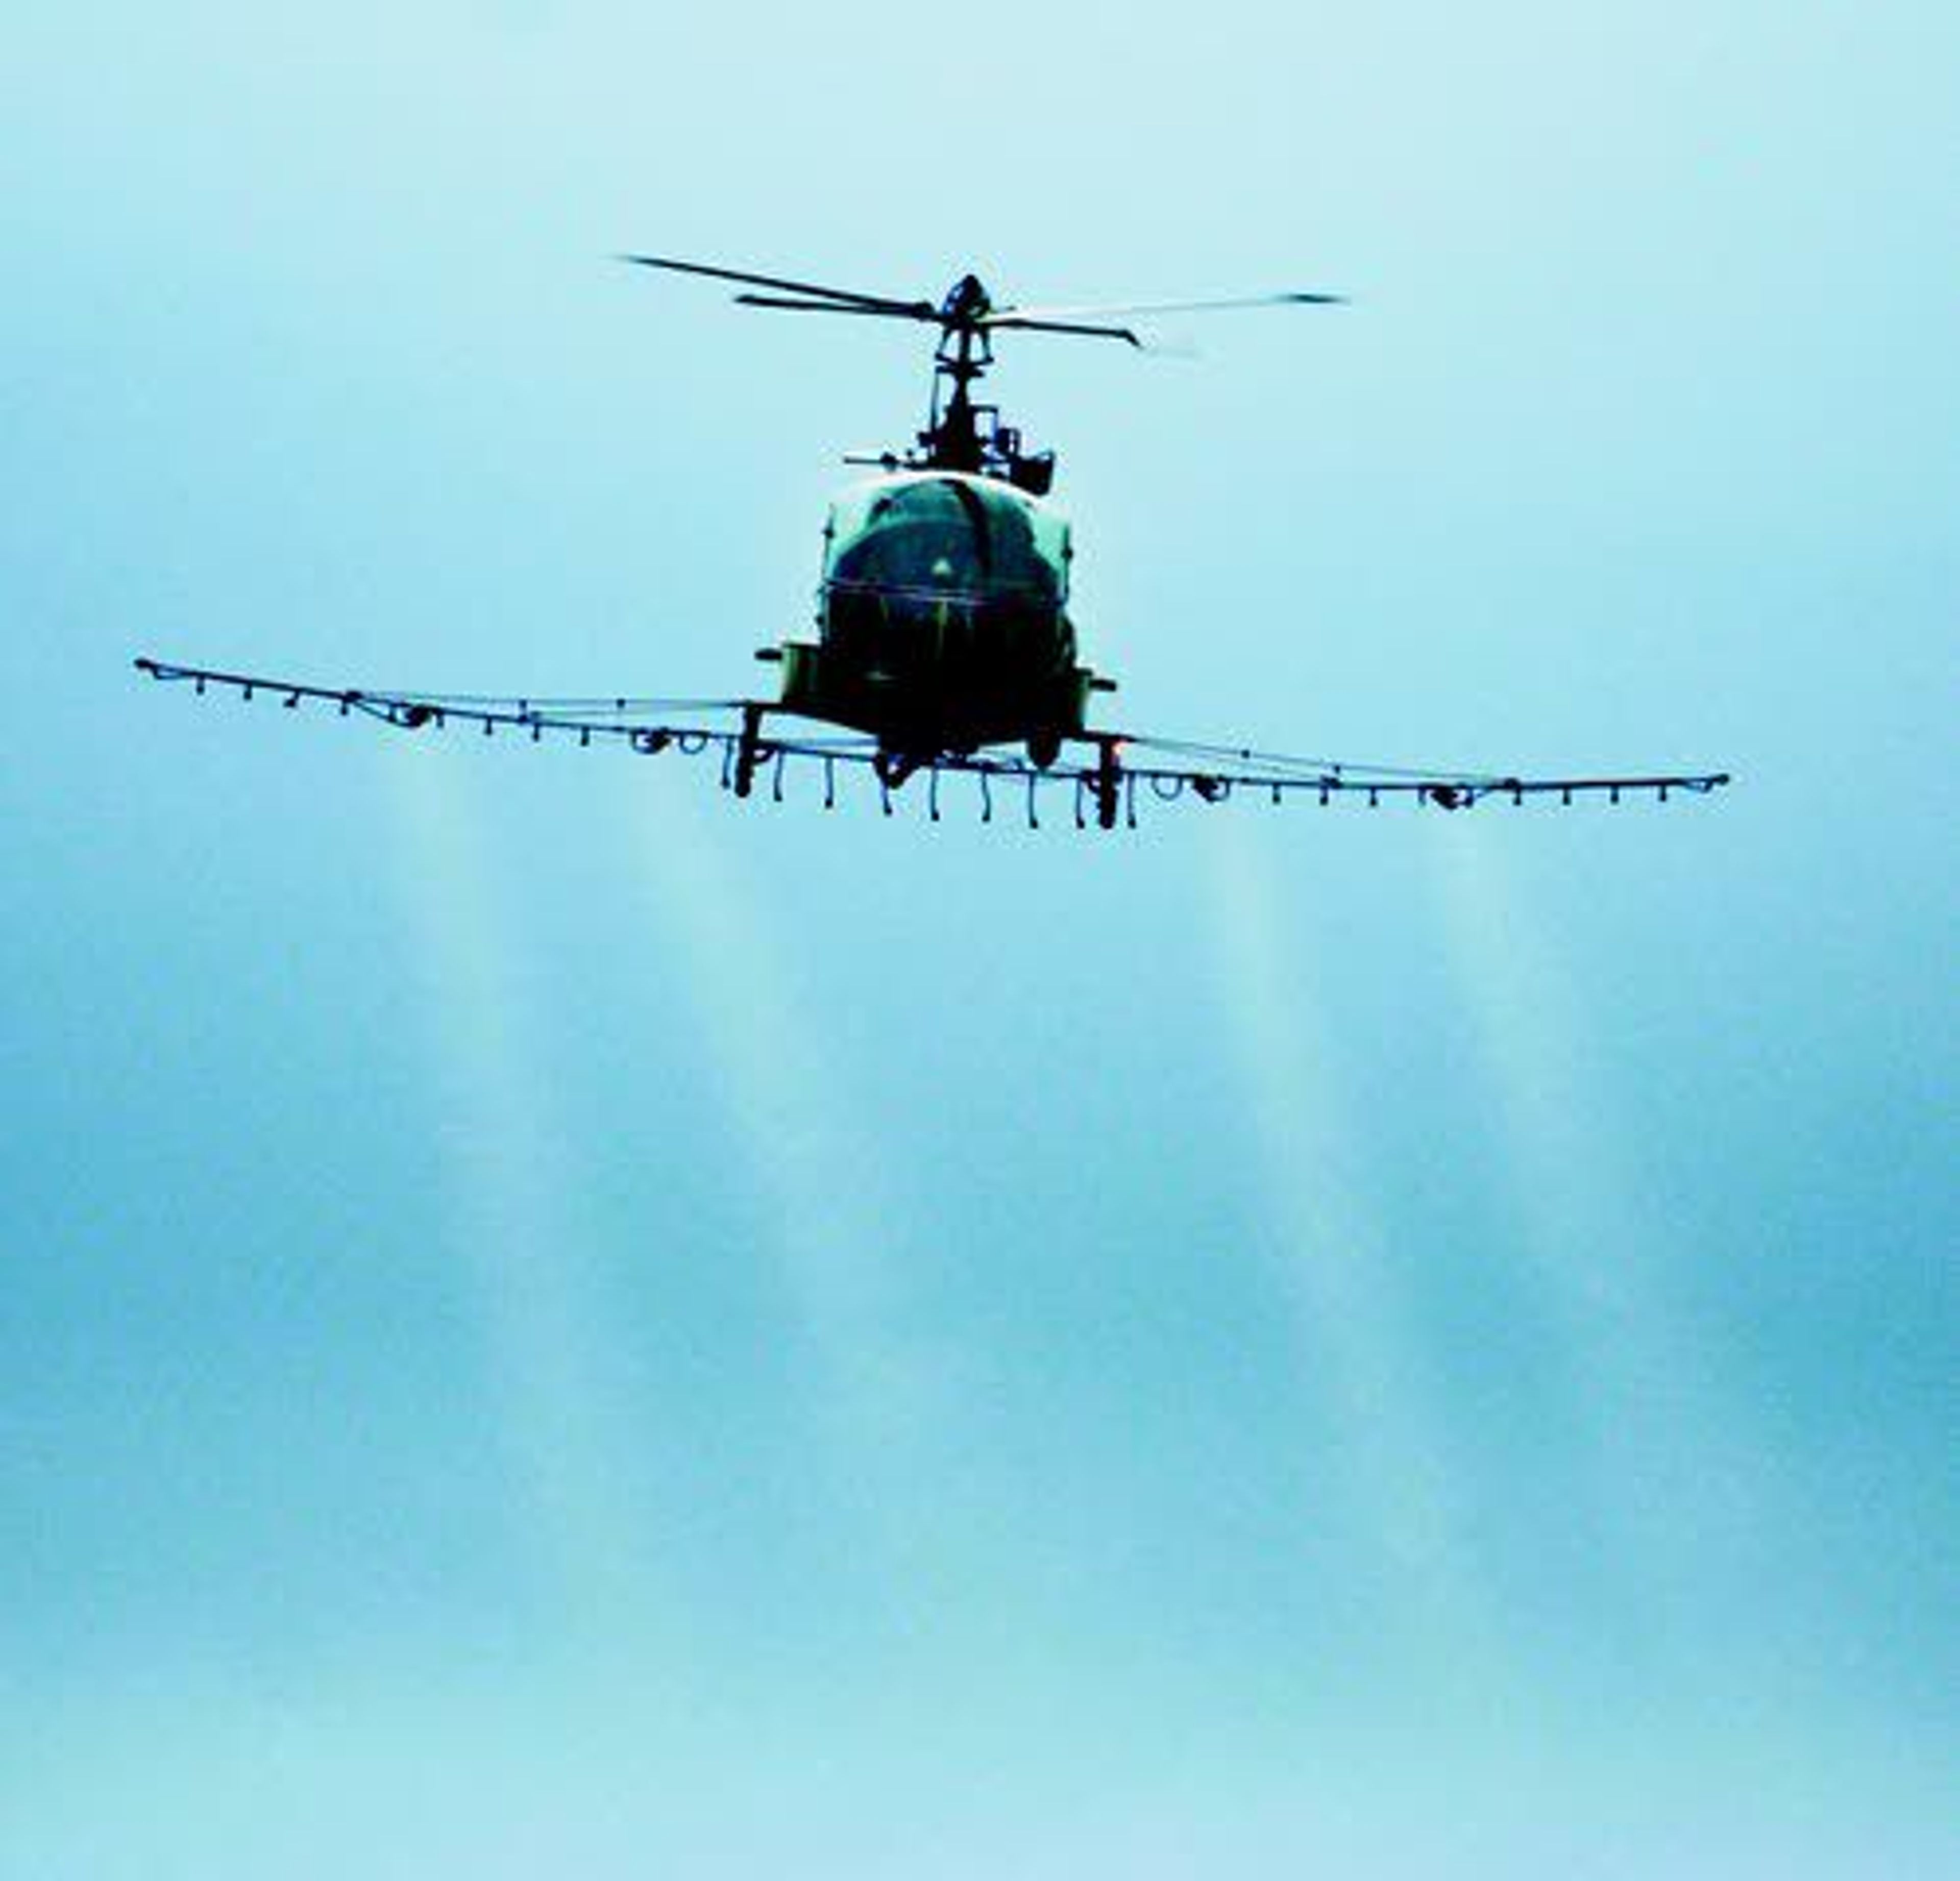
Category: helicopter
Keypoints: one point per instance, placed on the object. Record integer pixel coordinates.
(944, 642)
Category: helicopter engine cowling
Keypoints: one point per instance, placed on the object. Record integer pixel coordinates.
(943, 622)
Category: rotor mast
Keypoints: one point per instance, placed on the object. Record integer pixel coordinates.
(952, 440)
(961, 436)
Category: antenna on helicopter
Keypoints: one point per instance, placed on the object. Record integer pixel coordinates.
(960, 435)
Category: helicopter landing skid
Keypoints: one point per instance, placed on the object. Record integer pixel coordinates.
(1108, 782)
(749, 747)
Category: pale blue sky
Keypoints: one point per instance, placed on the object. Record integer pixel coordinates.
(556, 1324)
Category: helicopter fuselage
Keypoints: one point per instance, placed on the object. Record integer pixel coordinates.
(942, 619)
(943, 624)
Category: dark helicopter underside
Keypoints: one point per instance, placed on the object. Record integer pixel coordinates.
(919, 715)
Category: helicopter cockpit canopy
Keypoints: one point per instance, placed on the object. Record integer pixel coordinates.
(943, 534)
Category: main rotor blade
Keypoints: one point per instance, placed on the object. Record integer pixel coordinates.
(1022, 316)
(843, 296)
(1011, 322)
(918, 310)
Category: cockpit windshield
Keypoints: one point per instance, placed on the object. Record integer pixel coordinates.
(948, 535)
